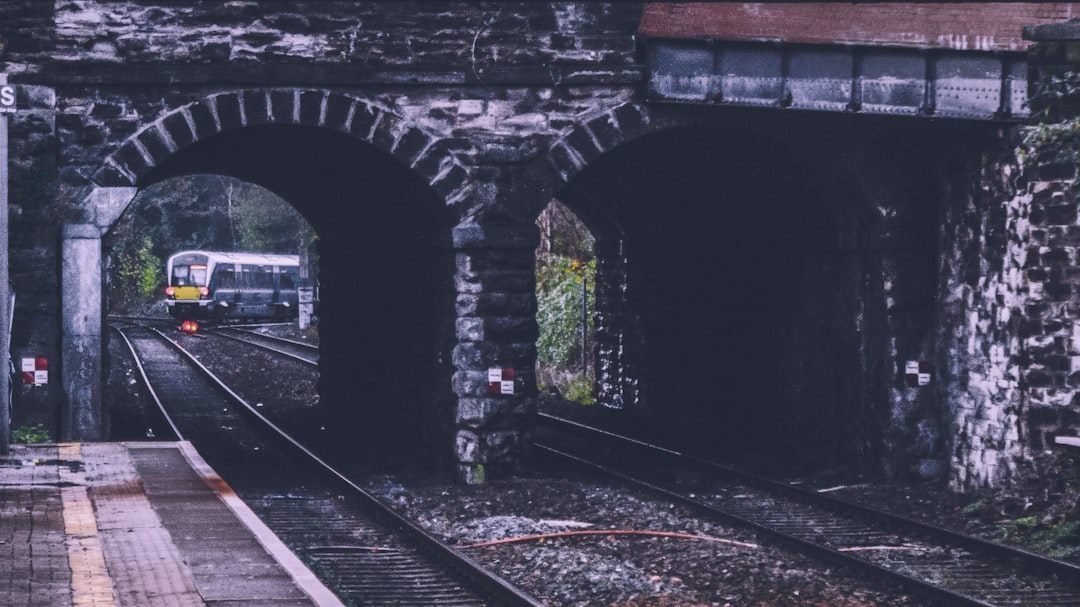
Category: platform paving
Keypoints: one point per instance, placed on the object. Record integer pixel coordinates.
(139, 525)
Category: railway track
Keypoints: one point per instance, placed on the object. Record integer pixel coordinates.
(947, 567)
(365, 551)
(296, 350)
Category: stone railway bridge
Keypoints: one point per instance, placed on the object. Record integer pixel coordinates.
(793, 204)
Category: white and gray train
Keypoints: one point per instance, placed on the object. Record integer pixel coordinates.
(221, 286)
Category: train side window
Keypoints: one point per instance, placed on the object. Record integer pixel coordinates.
(225, 277)
(288, 278)
(259, 277)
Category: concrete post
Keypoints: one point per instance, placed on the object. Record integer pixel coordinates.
(80, 352)
(5, 291)
(82, 283)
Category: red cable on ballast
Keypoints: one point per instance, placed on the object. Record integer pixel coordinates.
(544, 536)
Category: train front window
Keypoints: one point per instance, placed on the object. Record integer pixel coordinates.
(193, 275)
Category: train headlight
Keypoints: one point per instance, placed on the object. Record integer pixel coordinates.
(204, 292)
(170, 292)
(189, 326)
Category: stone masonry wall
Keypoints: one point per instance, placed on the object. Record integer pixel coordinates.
(1012, 320)
(489, 85)
(983, 301)
(1010, 298)
(498, 86)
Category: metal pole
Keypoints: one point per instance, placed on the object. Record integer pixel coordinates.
(5, 291)
(304, 291)
(584, 324)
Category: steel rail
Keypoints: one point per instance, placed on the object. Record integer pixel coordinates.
(831, 504)
(499, 590)
(1066, 570)
(252, 339)
(149, 387)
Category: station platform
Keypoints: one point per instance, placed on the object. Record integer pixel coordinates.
(139, 525)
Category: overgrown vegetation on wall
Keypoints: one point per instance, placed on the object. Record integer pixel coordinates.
(565, 297)
(1053, 142)
(1041, 512)
(194, 212)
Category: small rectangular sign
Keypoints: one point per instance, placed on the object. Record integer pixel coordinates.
(911, 366)
(7, 98)
(35, 371)
(506, 387)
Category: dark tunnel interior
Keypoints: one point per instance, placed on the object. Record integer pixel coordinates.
(754, 269)
(754, 261)
(385, 282)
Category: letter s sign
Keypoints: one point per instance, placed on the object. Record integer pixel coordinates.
(7, 98)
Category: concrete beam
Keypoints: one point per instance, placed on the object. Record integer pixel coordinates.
(82, 315)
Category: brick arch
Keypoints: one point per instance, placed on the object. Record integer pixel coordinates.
(596, 136)
(600, 134)
(426, 153)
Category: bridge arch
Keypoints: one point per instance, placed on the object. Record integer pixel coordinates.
(313, 128)
(426, 153)
(829, 207)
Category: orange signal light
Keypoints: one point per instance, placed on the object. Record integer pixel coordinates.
(189, 326)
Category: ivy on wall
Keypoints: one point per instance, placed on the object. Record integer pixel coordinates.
(1052, 144)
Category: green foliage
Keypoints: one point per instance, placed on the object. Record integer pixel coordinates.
(266, 223)
(559, 286)
(1057, 539)
(194, 212)
(975, 508)
(29, 435)
(579, 388)
(1053, 144)
(1054, 141)
(137, 274)
(565, 268)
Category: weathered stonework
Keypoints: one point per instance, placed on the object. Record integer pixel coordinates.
(493, 109)
(496, 328)
(114, 90)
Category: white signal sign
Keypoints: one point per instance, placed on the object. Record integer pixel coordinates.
(501, 381)
(917, 373)
(35, 371)
(7, 98)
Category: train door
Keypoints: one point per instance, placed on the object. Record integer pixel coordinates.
(287, 280)
(224, 289)
(258, 289)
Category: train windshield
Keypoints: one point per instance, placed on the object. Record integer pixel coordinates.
(192, 275)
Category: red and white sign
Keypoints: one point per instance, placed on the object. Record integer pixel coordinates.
(35, 371)
(500, 381)
(916, 373)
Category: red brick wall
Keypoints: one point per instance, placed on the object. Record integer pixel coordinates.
(960, 26)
